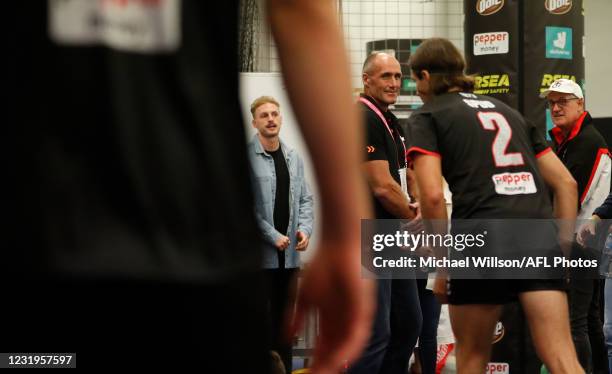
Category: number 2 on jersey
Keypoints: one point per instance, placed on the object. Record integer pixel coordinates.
(494, 121)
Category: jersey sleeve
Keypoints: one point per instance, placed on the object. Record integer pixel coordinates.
(375, 138)
(422, 137)
(538, 142)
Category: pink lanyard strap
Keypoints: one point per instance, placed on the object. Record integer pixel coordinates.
(384, 120)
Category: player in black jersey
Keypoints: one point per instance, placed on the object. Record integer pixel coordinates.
(477, 143)
(131, 236)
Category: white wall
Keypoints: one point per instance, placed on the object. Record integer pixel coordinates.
(598, 62)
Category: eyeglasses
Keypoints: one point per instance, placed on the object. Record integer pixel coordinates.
(561, 102)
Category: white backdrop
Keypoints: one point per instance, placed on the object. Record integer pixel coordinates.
(253, 85)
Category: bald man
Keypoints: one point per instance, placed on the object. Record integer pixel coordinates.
(398, 317)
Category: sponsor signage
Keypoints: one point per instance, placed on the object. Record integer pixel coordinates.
(558, 6)
(513, 184)
(492, 84)
(547, 79)
(545, 42)
(559, 42)
(497, 368)
(488, 7)
(556, 36)
(491, 43)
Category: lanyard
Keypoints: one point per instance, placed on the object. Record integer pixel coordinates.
(384, 120)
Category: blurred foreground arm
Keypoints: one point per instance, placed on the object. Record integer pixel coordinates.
(315, 68)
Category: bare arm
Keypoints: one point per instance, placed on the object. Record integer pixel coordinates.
(413, 189)
(317, 77)
(562, 184)
(428, 175)
(565, 195)
(386, 190)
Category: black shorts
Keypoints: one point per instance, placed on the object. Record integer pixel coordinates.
(497, 291)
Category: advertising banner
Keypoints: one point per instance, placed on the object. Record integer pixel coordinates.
(553, 49)
(517, 48)
(492, 48)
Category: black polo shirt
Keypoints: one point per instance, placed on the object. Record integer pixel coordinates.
(383, 143)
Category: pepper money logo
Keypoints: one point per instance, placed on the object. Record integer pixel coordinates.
(488, 7)
(558, 6)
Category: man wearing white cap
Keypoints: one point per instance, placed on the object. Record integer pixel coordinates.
(578, 144)
(585, 153)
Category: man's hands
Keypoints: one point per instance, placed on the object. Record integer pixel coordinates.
(282, 243)
(587, 230)
(302, 241)
(415, 224)
(332, 284)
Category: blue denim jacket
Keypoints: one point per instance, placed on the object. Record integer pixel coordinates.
(301, 213)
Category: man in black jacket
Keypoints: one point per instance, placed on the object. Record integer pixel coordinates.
(584, 152)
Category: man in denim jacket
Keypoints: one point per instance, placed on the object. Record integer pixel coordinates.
(284, 211)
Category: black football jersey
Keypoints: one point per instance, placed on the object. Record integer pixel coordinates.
(488, 154)
(128, 155)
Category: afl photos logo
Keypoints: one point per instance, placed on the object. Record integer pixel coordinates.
(488, 7)
(558, 6)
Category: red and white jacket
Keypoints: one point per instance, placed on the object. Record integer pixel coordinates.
(585, 153)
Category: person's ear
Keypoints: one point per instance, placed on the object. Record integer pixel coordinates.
(425, 75)
(365, 78)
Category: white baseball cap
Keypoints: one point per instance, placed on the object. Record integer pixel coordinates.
(564, 86)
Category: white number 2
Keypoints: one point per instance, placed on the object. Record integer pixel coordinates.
(494, 121)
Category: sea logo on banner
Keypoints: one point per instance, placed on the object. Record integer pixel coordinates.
(488, 7)
(559, 42)
(492, 84)
(491, 43)
(548, 79)
(558, 6)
